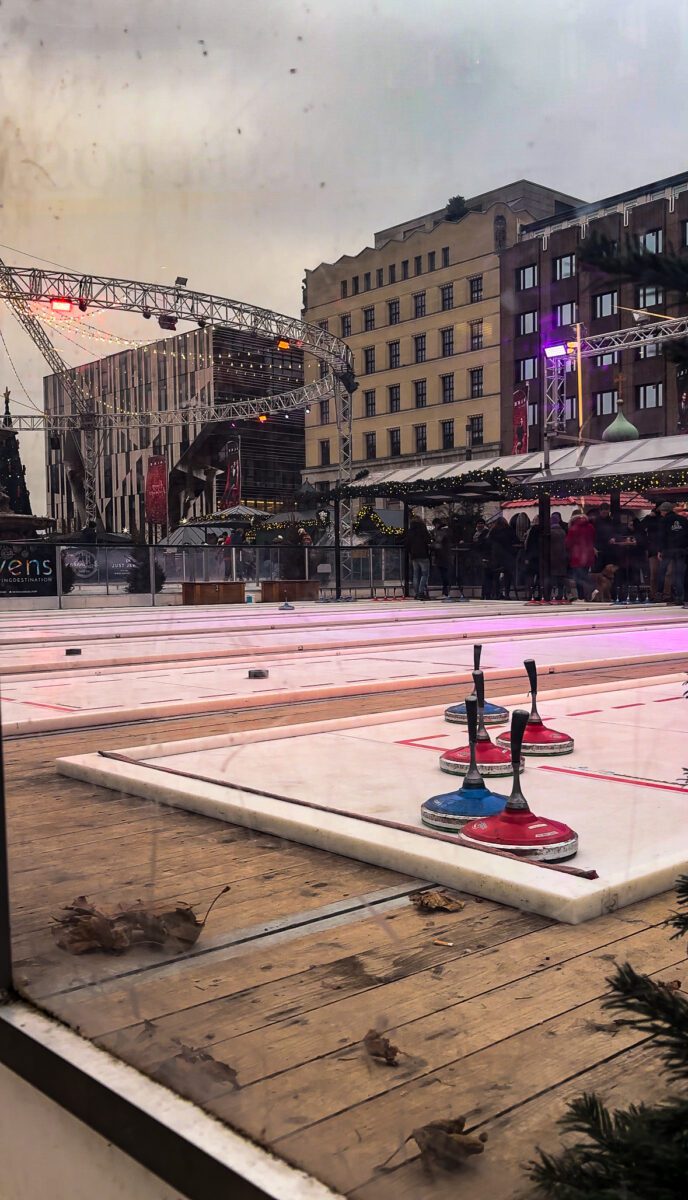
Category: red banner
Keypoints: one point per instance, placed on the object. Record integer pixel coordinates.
(232, 492)
(520, 419)
(156, 490)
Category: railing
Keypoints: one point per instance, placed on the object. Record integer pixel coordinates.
(45, 575)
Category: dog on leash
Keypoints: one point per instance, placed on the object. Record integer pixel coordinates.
(602, 582)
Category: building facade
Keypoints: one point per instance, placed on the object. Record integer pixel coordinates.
(204, 366)
(546, 290)
(421, 311)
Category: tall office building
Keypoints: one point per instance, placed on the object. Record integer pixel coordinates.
(421, 312)
(205, 366)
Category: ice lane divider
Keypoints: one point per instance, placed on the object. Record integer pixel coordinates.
(341, 812)
(452, 637)
(190, 707)
(611, 778)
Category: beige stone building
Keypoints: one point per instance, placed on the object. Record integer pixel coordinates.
(420, 310)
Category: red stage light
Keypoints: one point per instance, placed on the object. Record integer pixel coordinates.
(61, 305)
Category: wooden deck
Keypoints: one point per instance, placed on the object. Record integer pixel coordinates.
(497, 1013)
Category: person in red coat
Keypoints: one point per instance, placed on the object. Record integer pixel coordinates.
(580, 544)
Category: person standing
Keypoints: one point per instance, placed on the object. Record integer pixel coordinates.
(580, 544)
(531, 558)
(559, 559)
(482, 547)
(622, 545)
(418, 550)
(676, 546)
(604, 529)
(503, 556)
(442, 553)
(654, 529)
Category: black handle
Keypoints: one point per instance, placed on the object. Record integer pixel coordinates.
(519, 720)
(530, 667)
(477, 651)
(472, 718)
(479, 685)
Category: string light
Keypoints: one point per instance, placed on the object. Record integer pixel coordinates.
(370, 514)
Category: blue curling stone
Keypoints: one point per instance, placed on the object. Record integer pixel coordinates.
(452, 810)
(494, 714)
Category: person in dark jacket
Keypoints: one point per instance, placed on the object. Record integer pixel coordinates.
(654, 529)
(418, 548)
(503, 544)
(604, 528)
(558, 558)
(442, 553)
(531, 558)
(674, 553)
(482, 546)
(622, 546)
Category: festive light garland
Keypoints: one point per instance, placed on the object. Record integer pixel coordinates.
(495, 477)
(370, 514)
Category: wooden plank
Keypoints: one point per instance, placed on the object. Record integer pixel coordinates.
(346, 1151)
(345, 1079)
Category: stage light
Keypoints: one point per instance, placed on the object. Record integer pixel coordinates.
(181, 281)
(202, 322)
(166, 321)
(283, 344)
(146, 312)
(262, 418)
(83, 304)
(59, 305)
(556, 351)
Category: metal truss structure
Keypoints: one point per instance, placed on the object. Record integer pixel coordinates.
(644, 334)
(22, 286)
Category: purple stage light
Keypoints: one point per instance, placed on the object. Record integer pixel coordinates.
(556, 351)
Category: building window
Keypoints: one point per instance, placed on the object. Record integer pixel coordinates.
(393, 312)
(447, 341)
(394, 397)
(565, 267)
(418, 264)
(649, 395)
(526, 277)
(369, 403)
(447, 385)
(394, 355)
(605, 403)
(354, 286)
(533, 412)
(421, 432)
(324, 412)
(369, 360)
(394, 443)
(650, 297)
(447, 434)
(380, 277)
(420, 391)
(370, 450)
(650, 351)
(604, 304)
(343, 289)
(368, 320)
(475, 430)
(346, 325)
(566, 314)
(652, 241)
(404, 269)
(476, 335)
(609, 359)
(431, 261)
(324, 368)
(419, 304)
(325, 453)
(475, 382)
(366, 282)
(475, 286)
(419, 348)
(324, 325)
(445, 256)
(392, 274)
(570, 408)
(526, 322)
(447, 296)
(526, 368)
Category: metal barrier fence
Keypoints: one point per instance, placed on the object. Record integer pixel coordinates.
(39, 571)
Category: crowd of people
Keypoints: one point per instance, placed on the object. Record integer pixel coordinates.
(594, 556)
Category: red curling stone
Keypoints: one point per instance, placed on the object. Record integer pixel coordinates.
(539, 739)
(491, 759)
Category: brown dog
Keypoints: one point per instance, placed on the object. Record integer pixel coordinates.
(601, 583)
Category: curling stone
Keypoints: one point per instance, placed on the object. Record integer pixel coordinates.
(538, 739)
(491, 759)
(493, 714)
(517, 830)
(452, 810)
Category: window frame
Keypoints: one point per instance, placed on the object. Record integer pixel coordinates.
(420, 393)
(369, 403)
(369, 318)
(394, 402)
(597, 304)
(325, 455)
(394, 355)
(525, 273)
(477, 436)
(392, 439)
(641, 390)
(447, 387)
(447, 428)
(370, 442)
(476, 334)
(598, 402)
(368, 360)
(446, 293)
(475, 289)
(557, 273)
(419, 305)
(395, 306)
(476, 383)
(420, 436)
(531, 312)
(419, 348)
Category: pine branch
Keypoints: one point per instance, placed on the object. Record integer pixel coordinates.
(679, 920)
(654, 1009)
(631, 265)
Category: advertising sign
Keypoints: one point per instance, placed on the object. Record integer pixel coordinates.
(232, 492)
(156, 490)
(27, 569)
(520, 420)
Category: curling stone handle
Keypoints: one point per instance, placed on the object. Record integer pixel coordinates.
(479, 686)
(531, 669)
(519, 720)
(472, 718)
(477, 651)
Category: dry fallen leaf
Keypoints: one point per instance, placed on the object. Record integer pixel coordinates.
(380, 1047)
(81, 928)
(436, 899)
(444, 1143)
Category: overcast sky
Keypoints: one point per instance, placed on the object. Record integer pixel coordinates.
(239, 141)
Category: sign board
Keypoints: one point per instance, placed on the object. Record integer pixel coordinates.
(27, 569)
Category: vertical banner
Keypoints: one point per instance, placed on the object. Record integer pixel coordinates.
(232, 492)
(156, 490)
(682, 388)
(520, 420)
